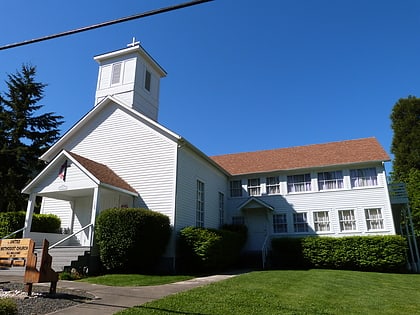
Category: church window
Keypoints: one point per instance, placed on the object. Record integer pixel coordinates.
(116, 73)
(147, 80)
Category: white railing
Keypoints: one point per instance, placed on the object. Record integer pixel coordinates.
(13, 233)
(70, 236)
(265, 250)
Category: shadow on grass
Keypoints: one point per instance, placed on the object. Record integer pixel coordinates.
(167, 311)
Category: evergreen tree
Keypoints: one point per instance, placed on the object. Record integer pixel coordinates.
(405, 119)
(25, 135)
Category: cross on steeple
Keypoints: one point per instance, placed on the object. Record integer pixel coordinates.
(133, 43)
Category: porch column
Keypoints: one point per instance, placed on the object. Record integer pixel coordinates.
(95, 211)
(29, 215)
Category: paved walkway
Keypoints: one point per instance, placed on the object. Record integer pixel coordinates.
(109, 300)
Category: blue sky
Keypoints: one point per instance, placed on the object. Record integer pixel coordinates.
(242, 75)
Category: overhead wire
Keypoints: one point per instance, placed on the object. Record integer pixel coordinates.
(107, 23)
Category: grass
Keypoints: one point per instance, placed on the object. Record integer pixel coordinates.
(296, 292)
(124, 280)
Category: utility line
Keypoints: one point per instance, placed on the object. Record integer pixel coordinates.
(103, 24)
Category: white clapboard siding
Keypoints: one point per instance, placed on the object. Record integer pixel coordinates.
(192, 167)
(141, 155)
(61, 208)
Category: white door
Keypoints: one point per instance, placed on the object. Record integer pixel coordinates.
(256, 221)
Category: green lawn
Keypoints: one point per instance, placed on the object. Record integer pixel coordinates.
(296, 292)
(134, 279)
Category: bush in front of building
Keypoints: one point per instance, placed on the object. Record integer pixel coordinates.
(131, 239)
(13, 221)
(363, 253)
(8, 307)
(203, 250)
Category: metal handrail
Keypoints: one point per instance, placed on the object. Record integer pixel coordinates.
(15, 232)
(70, 236)
(264, 251)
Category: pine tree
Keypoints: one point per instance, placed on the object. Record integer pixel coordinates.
(405, 119)
(25, 134)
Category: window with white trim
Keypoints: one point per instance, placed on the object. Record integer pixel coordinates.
(238, 220)
(254, 187)
(347, 220)
(374, 220)
(330, 180)
(280, 223)
(273, 185)
(235, 188)
(221, 208)
(363, 177)
(300, 222)
(199, 214)
(299, 183)
(321, 221)
(147, 80)
(116, 73)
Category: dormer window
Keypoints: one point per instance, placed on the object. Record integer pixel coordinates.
(147, 80)
(116, 73)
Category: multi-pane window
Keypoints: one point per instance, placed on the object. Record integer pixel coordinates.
(221, 208)
(235, 188)
(321, 221)
(280, 223)
(238, 220)
(347, 220)
(363, 177)
(273, 185)
(147, 80)
(299, 183)
(199, 213)
(254, 188)
(116, 73)
(300, 222)
(330, 180)
(374, 220)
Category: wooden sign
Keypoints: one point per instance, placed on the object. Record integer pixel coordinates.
(15, 248)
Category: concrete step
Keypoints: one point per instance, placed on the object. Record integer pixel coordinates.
(63, 256)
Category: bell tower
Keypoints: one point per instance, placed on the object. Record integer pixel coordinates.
(132, 76)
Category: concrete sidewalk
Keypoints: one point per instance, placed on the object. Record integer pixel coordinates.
(109, 300)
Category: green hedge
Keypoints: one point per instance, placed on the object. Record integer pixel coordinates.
(131, 239)
(8, 307)
(363, 253)
(13, 221)
(201, 249)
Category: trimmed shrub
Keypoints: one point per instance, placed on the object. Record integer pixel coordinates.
(10, 222)
(131, 239)
(13, 221)
(286, 253)
(47, 223)
(8, 307)
(202, 249)
(363, 253)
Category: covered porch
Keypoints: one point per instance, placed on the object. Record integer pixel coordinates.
(76, 189)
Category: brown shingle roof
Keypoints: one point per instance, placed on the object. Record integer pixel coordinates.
(103, 173)
(317, 155)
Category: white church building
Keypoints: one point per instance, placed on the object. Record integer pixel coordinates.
(119, 155)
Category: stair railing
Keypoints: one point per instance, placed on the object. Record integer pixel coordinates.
(264, 251)
(70, 236)
(13, 233)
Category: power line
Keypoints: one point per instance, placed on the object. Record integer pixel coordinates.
(103, 24)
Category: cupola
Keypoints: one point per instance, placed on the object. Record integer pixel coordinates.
(132, 76)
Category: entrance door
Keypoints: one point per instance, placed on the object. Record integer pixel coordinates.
(256, 220)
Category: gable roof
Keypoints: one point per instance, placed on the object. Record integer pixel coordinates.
(99, 173)
(301, 157)
(102, 173)
(57, 147)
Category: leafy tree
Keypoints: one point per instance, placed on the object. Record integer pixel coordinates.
(24, 135)
(405, 119)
